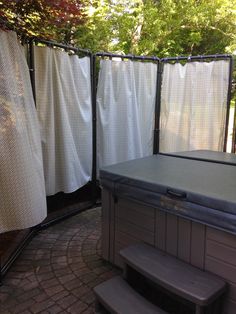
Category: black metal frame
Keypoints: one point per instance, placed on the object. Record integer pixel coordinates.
(233, 148)
(63, 46)
(160, 64)
(4, 268)
(32, 68)
(94, 126)
(228, 101)
(196, 58)
(129, 57)
(156, 142)
(204, 58)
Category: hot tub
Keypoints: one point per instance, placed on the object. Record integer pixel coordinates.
(179, 204)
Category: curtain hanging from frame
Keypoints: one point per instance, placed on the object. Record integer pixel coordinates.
(22, 189)
(193, 106)
(125, 104)
(63, 98)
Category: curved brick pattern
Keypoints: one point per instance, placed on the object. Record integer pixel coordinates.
(58, 269)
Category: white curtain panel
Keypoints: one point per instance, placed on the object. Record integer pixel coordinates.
(193, 106)
(63, 99)
(22, 189)
(145, 76)
(125, 107)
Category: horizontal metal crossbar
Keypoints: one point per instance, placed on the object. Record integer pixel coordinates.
(131, 57)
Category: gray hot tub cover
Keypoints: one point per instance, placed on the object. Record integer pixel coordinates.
(195, 189)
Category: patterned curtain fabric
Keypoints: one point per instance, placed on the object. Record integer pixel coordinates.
(125, 104)
(22, 188)
(63, 98)
(193, 106)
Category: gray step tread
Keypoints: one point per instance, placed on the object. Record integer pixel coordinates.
(119, 298)
(178, 277)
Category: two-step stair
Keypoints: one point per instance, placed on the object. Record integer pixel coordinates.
(180, 280)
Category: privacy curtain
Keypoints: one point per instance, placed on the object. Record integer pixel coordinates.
(22, 190)
(125, 104)
(193, 106)
(63, 99)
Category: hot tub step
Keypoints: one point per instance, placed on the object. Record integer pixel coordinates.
(179, 278)
(116, 296)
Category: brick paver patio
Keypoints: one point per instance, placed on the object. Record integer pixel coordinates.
(58, 269)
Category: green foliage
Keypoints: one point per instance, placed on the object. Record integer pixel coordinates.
(149, 27)
(160, 27)
(50, 19)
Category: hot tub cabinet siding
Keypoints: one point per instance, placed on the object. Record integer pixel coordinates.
(125, 222)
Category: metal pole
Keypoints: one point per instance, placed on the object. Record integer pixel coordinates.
(0, 271)
(228, 103)
(55, 44)
(156, 142)
(131, 57)
(32, 68)
(191, 58)
(199, 309)
(94, 126)
(234, 131)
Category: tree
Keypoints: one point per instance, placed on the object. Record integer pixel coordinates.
(49, 19)
(160, 27)
(111, 25)
(189, 27)
(150, 27)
